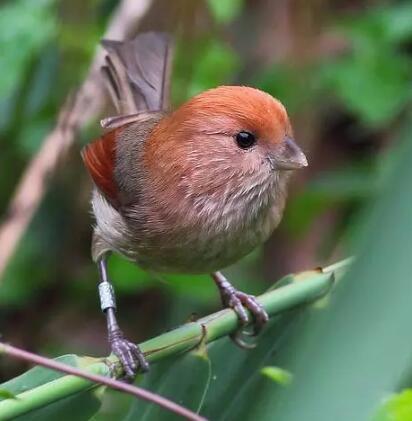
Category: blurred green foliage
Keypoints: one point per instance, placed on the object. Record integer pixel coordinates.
(225, 11)
(396, 408)
(278, 375)
(27, 26)
(375, 80)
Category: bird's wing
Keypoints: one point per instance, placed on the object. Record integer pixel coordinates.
(100, 158)
(137, 72)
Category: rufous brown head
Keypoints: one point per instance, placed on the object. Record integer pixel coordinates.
(226, 132)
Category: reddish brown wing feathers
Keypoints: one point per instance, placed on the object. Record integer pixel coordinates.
(99, 159)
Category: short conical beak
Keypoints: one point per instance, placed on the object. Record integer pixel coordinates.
(288, 156)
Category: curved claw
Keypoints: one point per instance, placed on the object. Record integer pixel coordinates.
(130, 356)
(235, 303)
(249, 332)
(260, 318)
(238, 302)
(236, 337)
(259, 314)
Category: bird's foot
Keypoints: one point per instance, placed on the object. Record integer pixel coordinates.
(129, 354)
(239, 302)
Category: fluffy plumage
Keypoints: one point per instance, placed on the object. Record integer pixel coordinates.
(176, 193)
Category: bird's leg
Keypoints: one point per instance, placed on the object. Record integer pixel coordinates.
(129, 354)
(238, 301)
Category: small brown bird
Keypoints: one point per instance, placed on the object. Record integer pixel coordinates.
(191, 191)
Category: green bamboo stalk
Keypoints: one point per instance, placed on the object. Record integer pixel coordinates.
(299, 289)
(49, 392)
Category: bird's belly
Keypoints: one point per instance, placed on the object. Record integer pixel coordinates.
(193, 242)
(193, 258)
(207, 250)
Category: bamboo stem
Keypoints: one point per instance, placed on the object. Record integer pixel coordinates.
(76, 381)
(47, 393)
(301, 289)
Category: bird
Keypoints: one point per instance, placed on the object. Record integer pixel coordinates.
(190, 190)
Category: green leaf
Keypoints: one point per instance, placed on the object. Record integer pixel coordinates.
(374, 88)
(396, 408)
(38, 376)
(389, 25)
(350, 355)
(184, 380)
(278, 375)
(6, 394)
(238, 377)
(373, 80)
(80, 406)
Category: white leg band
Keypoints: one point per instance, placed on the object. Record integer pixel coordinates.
(107, 297)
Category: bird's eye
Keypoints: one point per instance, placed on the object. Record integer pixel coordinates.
(245, 140)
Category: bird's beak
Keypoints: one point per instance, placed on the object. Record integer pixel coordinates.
(288, 156)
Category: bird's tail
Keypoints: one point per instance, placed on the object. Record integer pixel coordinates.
(137, 72)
